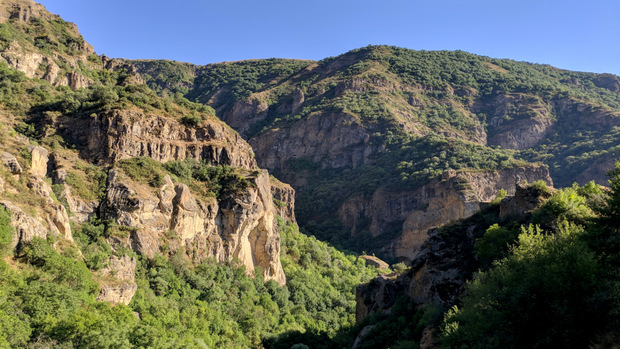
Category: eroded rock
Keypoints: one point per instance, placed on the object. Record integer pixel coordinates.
(284, 200)
(375, 262)
(10, 162)
(376, 296)
(26, 227)
(39, 157)
(117, 280)
(122, 134)
(240, 226)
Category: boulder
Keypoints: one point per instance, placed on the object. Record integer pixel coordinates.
(10, 162)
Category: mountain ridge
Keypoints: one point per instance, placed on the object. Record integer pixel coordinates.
(360, 102)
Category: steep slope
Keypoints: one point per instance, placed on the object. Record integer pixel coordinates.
(382, 120)
(162, 174)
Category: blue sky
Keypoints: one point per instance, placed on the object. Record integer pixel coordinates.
(577, 35)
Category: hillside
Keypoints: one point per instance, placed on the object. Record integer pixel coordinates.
(139, 207)
(360, 135)
(129, 219)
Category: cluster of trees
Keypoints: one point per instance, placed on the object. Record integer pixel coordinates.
(48, 296)
(237, 80)
(551, 283)
(167, 77)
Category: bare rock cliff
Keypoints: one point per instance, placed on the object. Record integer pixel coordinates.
(518, 121)
(171, 218)
(122, 134)
(283, 199)
(334, 140)
(454, 196)
(117, 285)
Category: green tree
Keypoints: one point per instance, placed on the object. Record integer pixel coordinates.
(538, 297)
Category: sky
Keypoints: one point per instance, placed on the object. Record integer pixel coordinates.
(579, 35)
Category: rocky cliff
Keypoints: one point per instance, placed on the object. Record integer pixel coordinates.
(120, 134)
(318, 125)
(443, 263)
(45, 46)
(172, 218)
(453, 196)
(28, 197)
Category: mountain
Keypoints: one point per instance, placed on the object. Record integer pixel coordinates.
(374, 139)
(120, 131)
(129, 219)
(131, 215)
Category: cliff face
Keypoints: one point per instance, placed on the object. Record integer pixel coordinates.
(117, 280)
(239, 226)
(172, 218)
(121, 134)
(455, 195)
(284, 199)
(331, 139)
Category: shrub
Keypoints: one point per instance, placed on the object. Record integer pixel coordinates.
(192, 120)
(6, 230)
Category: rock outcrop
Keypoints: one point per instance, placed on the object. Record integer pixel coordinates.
(121, 134)
(284, 200)
(117, 284)
(375, 262)
(26, 227)
(240, 226)
(376, 296)
(518, 122)
(48, 215)
(54, 213)
(455, 195)
(329, 139)
(244, 113)
(38, 161)
(525, 200)
(11, 163)
(359, 341)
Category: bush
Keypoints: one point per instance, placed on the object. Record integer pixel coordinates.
(494, 244)
(6, 230)
(192, 120)
(539, 296)
(564, 205)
